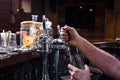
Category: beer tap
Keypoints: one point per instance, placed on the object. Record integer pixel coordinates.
(68, 49)
(45, 51)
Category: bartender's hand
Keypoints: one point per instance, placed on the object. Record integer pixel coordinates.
(79, 74)
(73, 35)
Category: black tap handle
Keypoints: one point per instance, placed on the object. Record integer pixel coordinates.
(68, 35)
(44, 20)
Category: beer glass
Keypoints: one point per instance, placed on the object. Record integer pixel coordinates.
(12, 44)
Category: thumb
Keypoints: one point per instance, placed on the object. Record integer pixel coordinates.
(86, 67)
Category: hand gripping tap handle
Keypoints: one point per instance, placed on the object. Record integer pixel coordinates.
(68, 48)
(72, 61)
(68, 34)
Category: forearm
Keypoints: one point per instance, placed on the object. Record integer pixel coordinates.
(101, 59)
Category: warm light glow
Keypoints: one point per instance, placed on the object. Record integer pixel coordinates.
(90, 10)
(81, 7)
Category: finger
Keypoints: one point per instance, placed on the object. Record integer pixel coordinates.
(86, 67)
(72, 75)
(63, 34)
(67, 28)
(63, 29)
(71, 78)
(64, 38)
(70, 72)
(72, 67)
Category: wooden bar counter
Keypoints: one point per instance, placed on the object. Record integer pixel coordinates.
(21, 65)
(27, 65)
(12, 58)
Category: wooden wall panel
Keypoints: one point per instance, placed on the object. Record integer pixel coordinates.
(100, 19)
(117, 18)
(5, 14)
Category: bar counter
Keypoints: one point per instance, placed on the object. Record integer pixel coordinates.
(27, 65)
(19, 65)
(11, 58)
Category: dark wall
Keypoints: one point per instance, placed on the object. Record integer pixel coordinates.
(5, 14)
(37, 8)
(90, 24)
(11, 21)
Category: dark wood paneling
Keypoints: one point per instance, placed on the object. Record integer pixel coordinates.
(5, 14)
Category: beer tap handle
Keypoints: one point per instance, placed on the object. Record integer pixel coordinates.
(68, 36)
(58, 31)
(44, 24)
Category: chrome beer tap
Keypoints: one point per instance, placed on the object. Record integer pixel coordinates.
(45, 50)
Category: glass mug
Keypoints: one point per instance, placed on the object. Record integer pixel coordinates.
(3, 40)
(34, 18)
(12, 43)
(7, 41)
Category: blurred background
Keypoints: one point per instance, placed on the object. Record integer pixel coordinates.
(92, 18)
